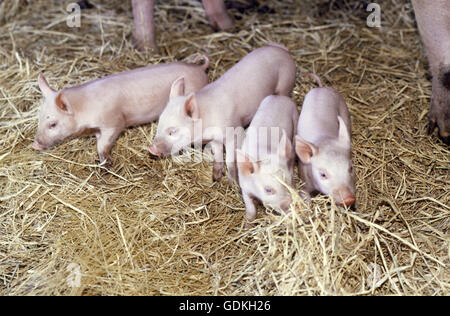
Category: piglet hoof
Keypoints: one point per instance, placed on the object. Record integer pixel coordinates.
(249, 225)
(217, 173)
(105, 162)
(232, 180)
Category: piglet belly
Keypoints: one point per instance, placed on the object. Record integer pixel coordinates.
(141, 105)
(143, 113)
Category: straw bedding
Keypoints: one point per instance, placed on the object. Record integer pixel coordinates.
(163, 227)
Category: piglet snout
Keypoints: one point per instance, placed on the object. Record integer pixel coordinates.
(348, 201)
(154, 151)
(345, 197)
(37, 146)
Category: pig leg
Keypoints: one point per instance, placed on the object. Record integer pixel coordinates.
(230, 158)
(144, 28)
(250, 208)
(217, 14)
(217, 149)
(433, 20)
(105, 140)
(308, 188)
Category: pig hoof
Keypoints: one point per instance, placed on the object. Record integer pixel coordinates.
(144, 40)
(439, 114)
(142, 45)
(443, 135)
(220, 22)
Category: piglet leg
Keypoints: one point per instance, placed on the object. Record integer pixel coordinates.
(230, 158)
(250, 208)
(105, 140)
(144, 28)
(217, 149)
(217, 14)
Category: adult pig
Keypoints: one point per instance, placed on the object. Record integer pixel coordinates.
(229, 102)
(105, 107)
(323, 145)
(267, 155)
(433, 19)
(144, 28)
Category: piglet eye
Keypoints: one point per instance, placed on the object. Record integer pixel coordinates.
(172, 131)
(53, 125)
(323, 175)
(269, 190)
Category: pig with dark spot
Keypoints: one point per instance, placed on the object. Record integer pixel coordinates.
(267, 156)
(229, 102)
(105, 107)
(323, 145)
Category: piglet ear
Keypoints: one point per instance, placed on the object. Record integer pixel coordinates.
(62, 104)
(245, 164)
(285, 147)
(305, 150)
(177, 88)
(344, 137)
(43, 85)
(191, 106)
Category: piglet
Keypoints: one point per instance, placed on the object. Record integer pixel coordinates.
(323, 145)
(229, 102)
(267, 155)
(105, 107)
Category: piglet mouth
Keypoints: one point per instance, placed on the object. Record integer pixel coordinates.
(161, 150)
(38, 146)
(154, 153)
